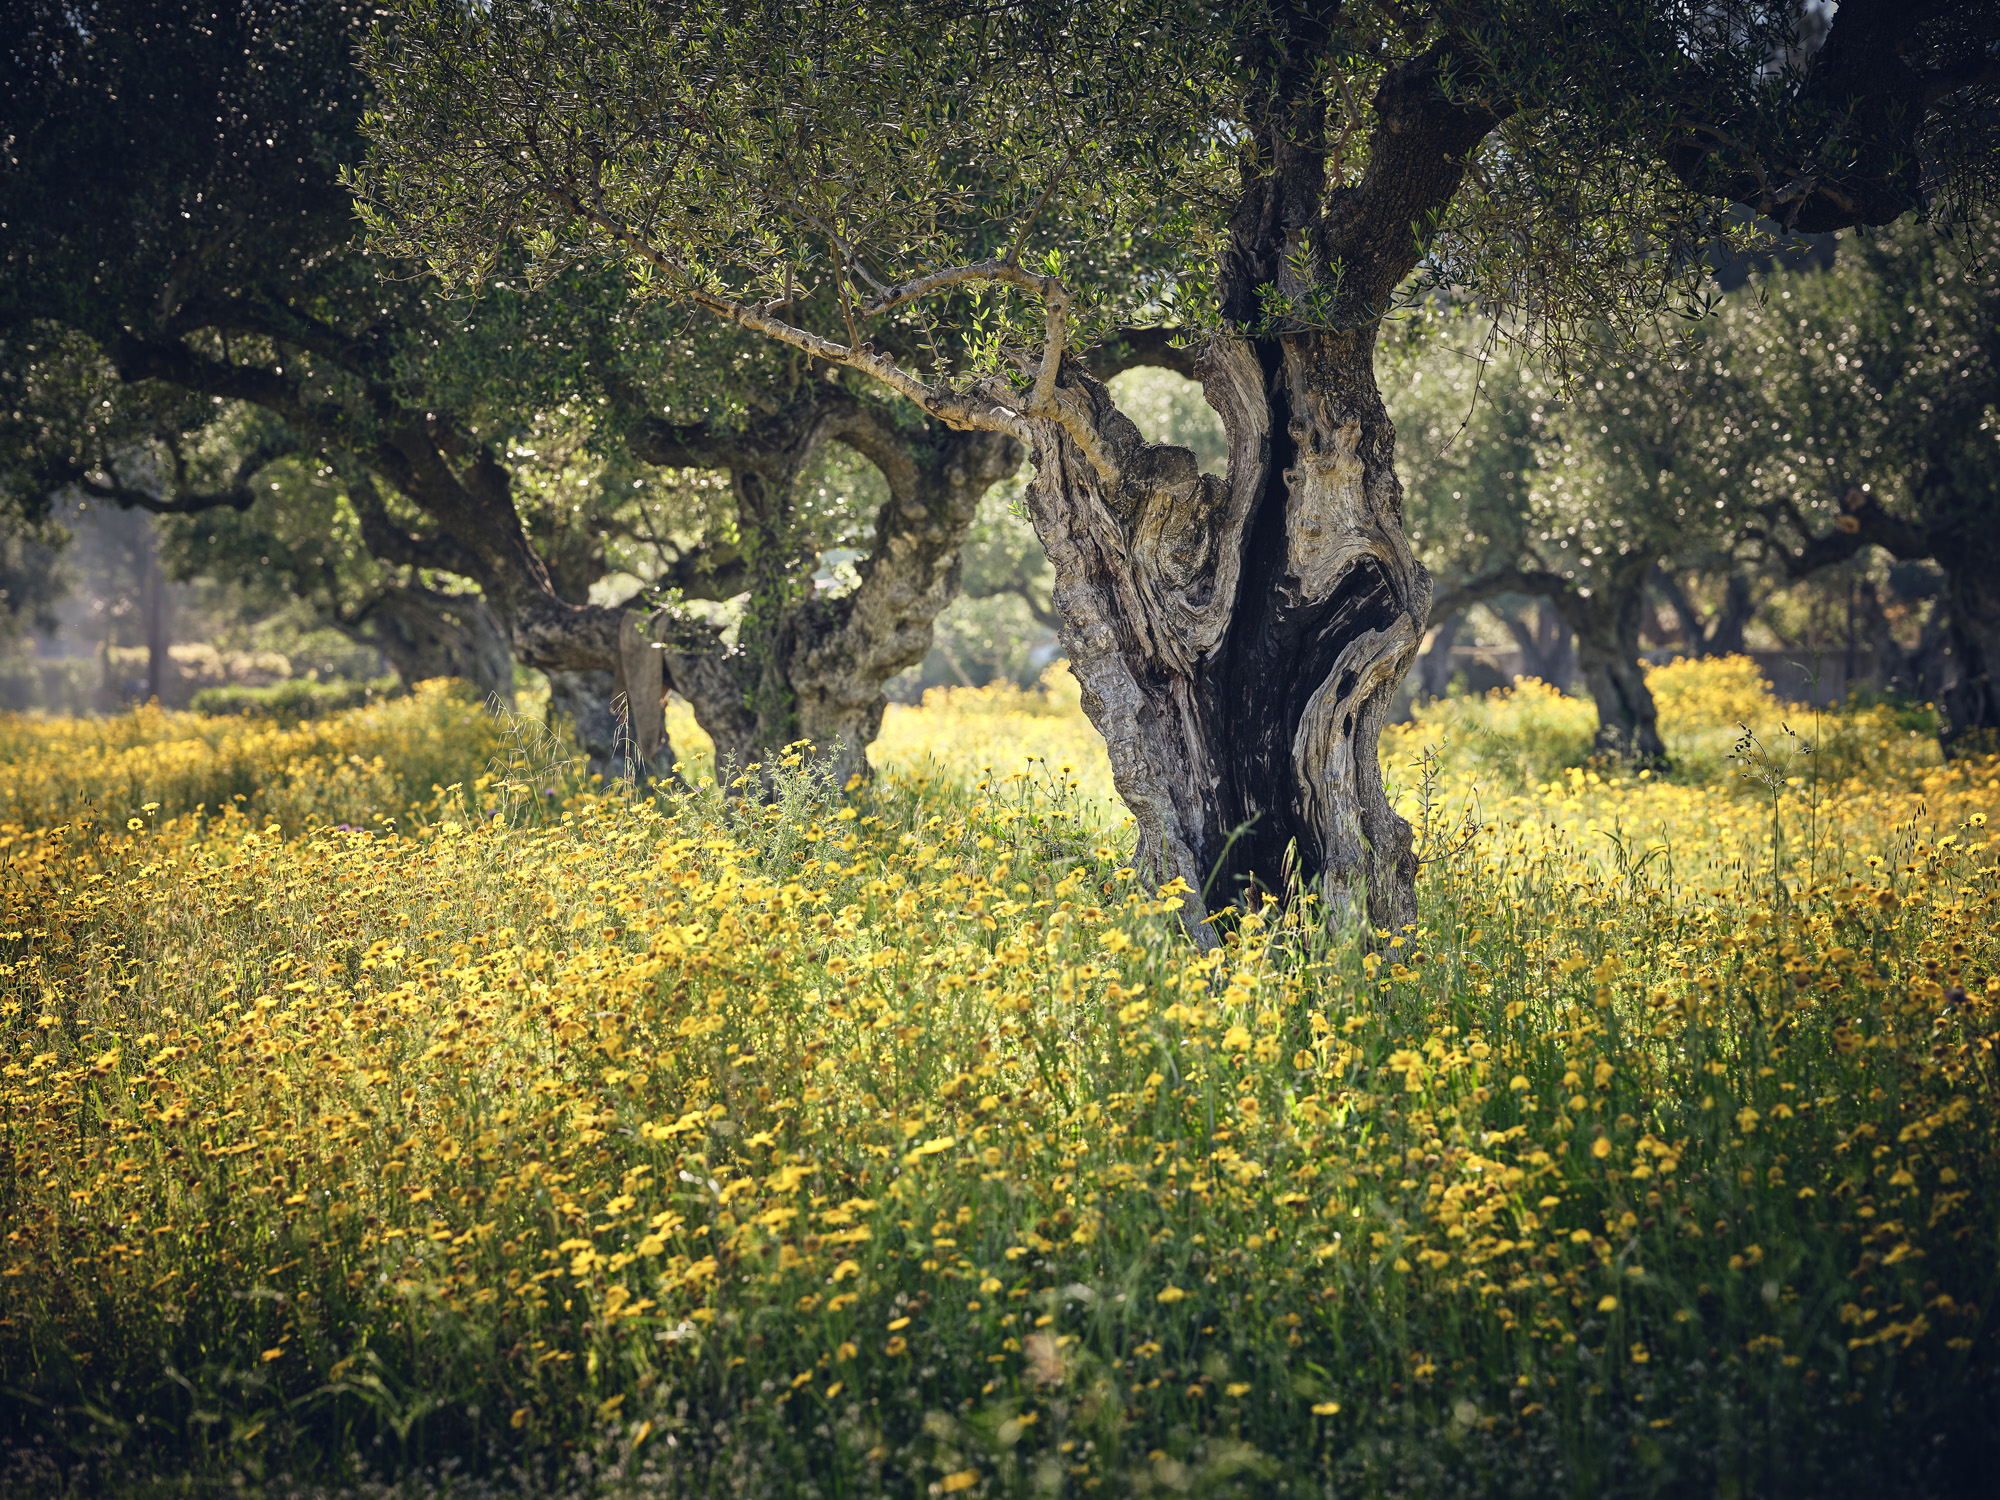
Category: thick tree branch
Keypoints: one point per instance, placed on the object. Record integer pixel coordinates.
(409, 464)
(713, 571)
(474, 507)
(653, 439)
(360, 354)
(392, 543)
(868, 431)
(180, 500)
(674, 445)
(1869, 105)
(1055, 335)
(954, 408)
(1535, 582)
(1132, 348)
(129, 497)
(1863, 523)
(1004, 271)
(1971, 73)
(1377, 230)
(175, 364)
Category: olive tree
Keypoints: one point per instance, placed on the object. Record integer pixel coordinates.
(1814, 414)
(1624, 471)
(1268, 176)
(301, 538)
(1868, 415)
(1466, 429)
(181, 278)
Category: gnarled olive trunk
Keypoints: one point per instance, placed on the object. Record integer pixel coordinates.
(810, 667)
(839, 653)
(1606, 620)
(1238, 640)
(1628, 723)
(426, 634)
(1971, 700)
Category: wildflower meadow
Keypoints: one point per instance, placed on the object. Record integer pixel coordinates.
(386, 1104)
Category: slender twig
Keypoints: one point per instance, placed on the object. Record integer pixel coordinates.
(937, 281)
(1013, 255)
(847, 252)
(847, 303)
(1749, 157)
(1350, 121)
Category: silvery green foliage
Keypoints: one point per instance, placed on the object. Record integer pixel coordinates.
(735, 156)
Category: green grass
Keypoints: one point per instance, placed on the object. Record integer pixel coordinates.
(295, 701)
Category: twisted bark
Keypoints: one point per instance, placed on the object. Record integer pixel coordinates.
(839, 653)
(1238, 639)
(425, 633)
(807, 666)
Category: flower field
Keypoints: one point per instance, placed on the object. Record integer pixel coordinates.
(379, 1101)
(378, 763)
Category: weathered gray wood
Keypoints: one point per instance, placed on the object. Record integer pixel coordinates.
(1238, 638)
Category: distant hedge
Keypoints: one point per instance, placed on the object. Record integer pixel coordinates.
(297, 700)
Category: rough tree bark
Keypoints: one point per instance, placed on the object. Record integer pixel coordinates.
(1239, 639)
(425, 633)
(838, 653)
(1607, 657)
(807, 666)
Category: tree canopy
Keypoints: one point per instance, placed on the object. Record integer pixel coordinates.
(1810, 416)
(730, 155)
